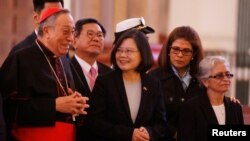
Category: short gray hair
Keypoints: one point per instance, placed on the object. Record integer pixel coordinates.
(207, 64)
(50, 21)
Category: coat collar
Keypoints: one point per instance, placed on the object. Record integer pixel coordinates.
(210, 114)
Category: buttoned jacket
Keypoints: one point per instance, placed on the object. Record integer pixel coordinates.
(110, 113)
(175, 96)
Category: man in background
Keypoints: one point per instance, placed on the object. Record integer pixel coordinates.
(38, 6)
(88, 44)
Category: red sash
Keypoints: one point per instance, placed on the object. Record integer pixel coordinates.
(60, 132)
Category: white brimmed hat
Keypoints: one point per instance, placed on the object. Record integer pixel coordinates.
(132, 23)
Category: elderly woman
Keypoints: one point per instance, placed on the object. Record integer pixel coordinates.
(212, 107)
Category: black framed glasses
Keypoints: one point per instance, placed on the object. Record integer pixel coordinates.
(91, 34)
(177, 50)
(222, 76)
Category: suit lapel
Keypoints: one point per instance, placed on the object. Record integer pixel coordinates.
(102, 68)
(81, 74)
(69, 75)
(123, 95)
(207, 109)
(230, 114)
(145, 97)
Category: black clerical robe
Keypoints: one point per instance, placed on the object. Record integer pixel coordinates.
(29, 89)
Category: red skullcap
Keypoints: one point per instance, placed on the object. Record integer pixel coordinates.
(48, 12)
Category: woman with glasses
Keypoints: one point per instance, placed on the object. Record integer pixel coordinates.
(212, 107)
(127, 103)
(178, 64)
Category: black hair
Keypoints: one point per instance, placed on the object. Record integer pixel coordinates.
(38, 5)
(81, 22)
(142, 45)
(189, 34)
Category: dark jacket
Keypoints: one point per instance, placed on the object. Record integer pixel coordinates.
(83, 133)
(101, 70)
(174, 97)
(2, 122)
(110, 117)
(198, 113)
(28, 41)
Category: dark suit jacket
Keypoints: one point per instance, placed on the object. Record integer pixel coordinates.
(110, 118)
(2, 122)
(29, 89)
(174, 97)
(198, 113)
(82, 132)
(28, 41)
(101, 70)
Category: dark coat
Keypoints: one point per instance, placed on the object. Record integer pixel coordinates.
(110, 117)
(2, 122)
(29, 89)
(81, 84)
(28, 41)
(175, 97)
(198, 113)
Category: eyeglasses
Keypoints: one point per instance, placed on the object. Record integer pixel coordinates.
(185, 51)
(92, 34)
(128, 52)
(221, 76)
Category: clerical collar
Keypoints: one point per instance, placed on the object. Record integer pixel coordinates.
(47, 52)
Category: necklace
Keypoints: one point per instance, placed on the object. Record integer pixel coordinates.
(57, 79)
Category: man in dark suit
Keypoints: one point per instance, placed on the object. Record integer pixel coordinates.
(88, 44)
(38, 6)
(37, 84)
